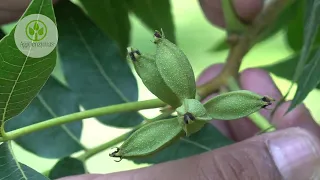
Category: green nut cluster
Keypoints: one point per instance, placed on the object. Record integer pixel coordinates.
(167, 73)
(169, 76)
(146, 68)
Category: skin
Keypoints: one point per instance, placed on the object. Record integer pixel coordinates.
(292, 152)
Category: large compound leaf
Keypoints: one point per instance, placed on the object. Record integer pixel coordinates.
(11, 169)
(206, 139)
(74, 167)
(93, 66)
(112, 17)
(155, 14)
(311, 28)
(22, 77)
(53, 100)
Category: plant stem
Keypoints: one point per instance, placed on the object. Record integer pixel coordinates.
(98, 149)
(239, 48)
(261, 122)
(102, 147)
(256, 117)
(119, 108)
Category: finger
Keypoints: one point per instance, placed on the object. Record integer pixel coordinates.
(292, 154)
(298, 117)
(205, 76)
(247, 10)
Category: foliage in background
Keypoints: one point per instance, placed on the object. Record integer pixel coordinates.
(92, 46)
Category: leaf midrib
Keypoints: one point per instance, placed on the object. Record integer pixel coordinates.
(308, 41)
(314, 65)
(16, 161)
(18, 77)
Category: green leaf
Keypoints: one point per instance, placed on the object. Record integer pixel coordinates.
(67, 167)
(53, 100)
(21, 77)
(312, 22)
(220, 46)
(282, 20)
(12, 169)
(311, 28)
(309, 79)
(286, 68)
(207, 139)
(294, 30)
(155, 15)
(93, 67)
(112, 17)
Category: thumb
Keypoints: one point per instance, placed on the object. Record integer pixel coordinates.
(290, 154)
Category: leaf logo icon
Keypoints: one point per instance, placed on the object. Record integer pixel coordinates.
(36, 30)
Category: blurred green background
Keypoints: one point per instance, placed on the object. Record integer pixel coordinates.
(195, 36)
